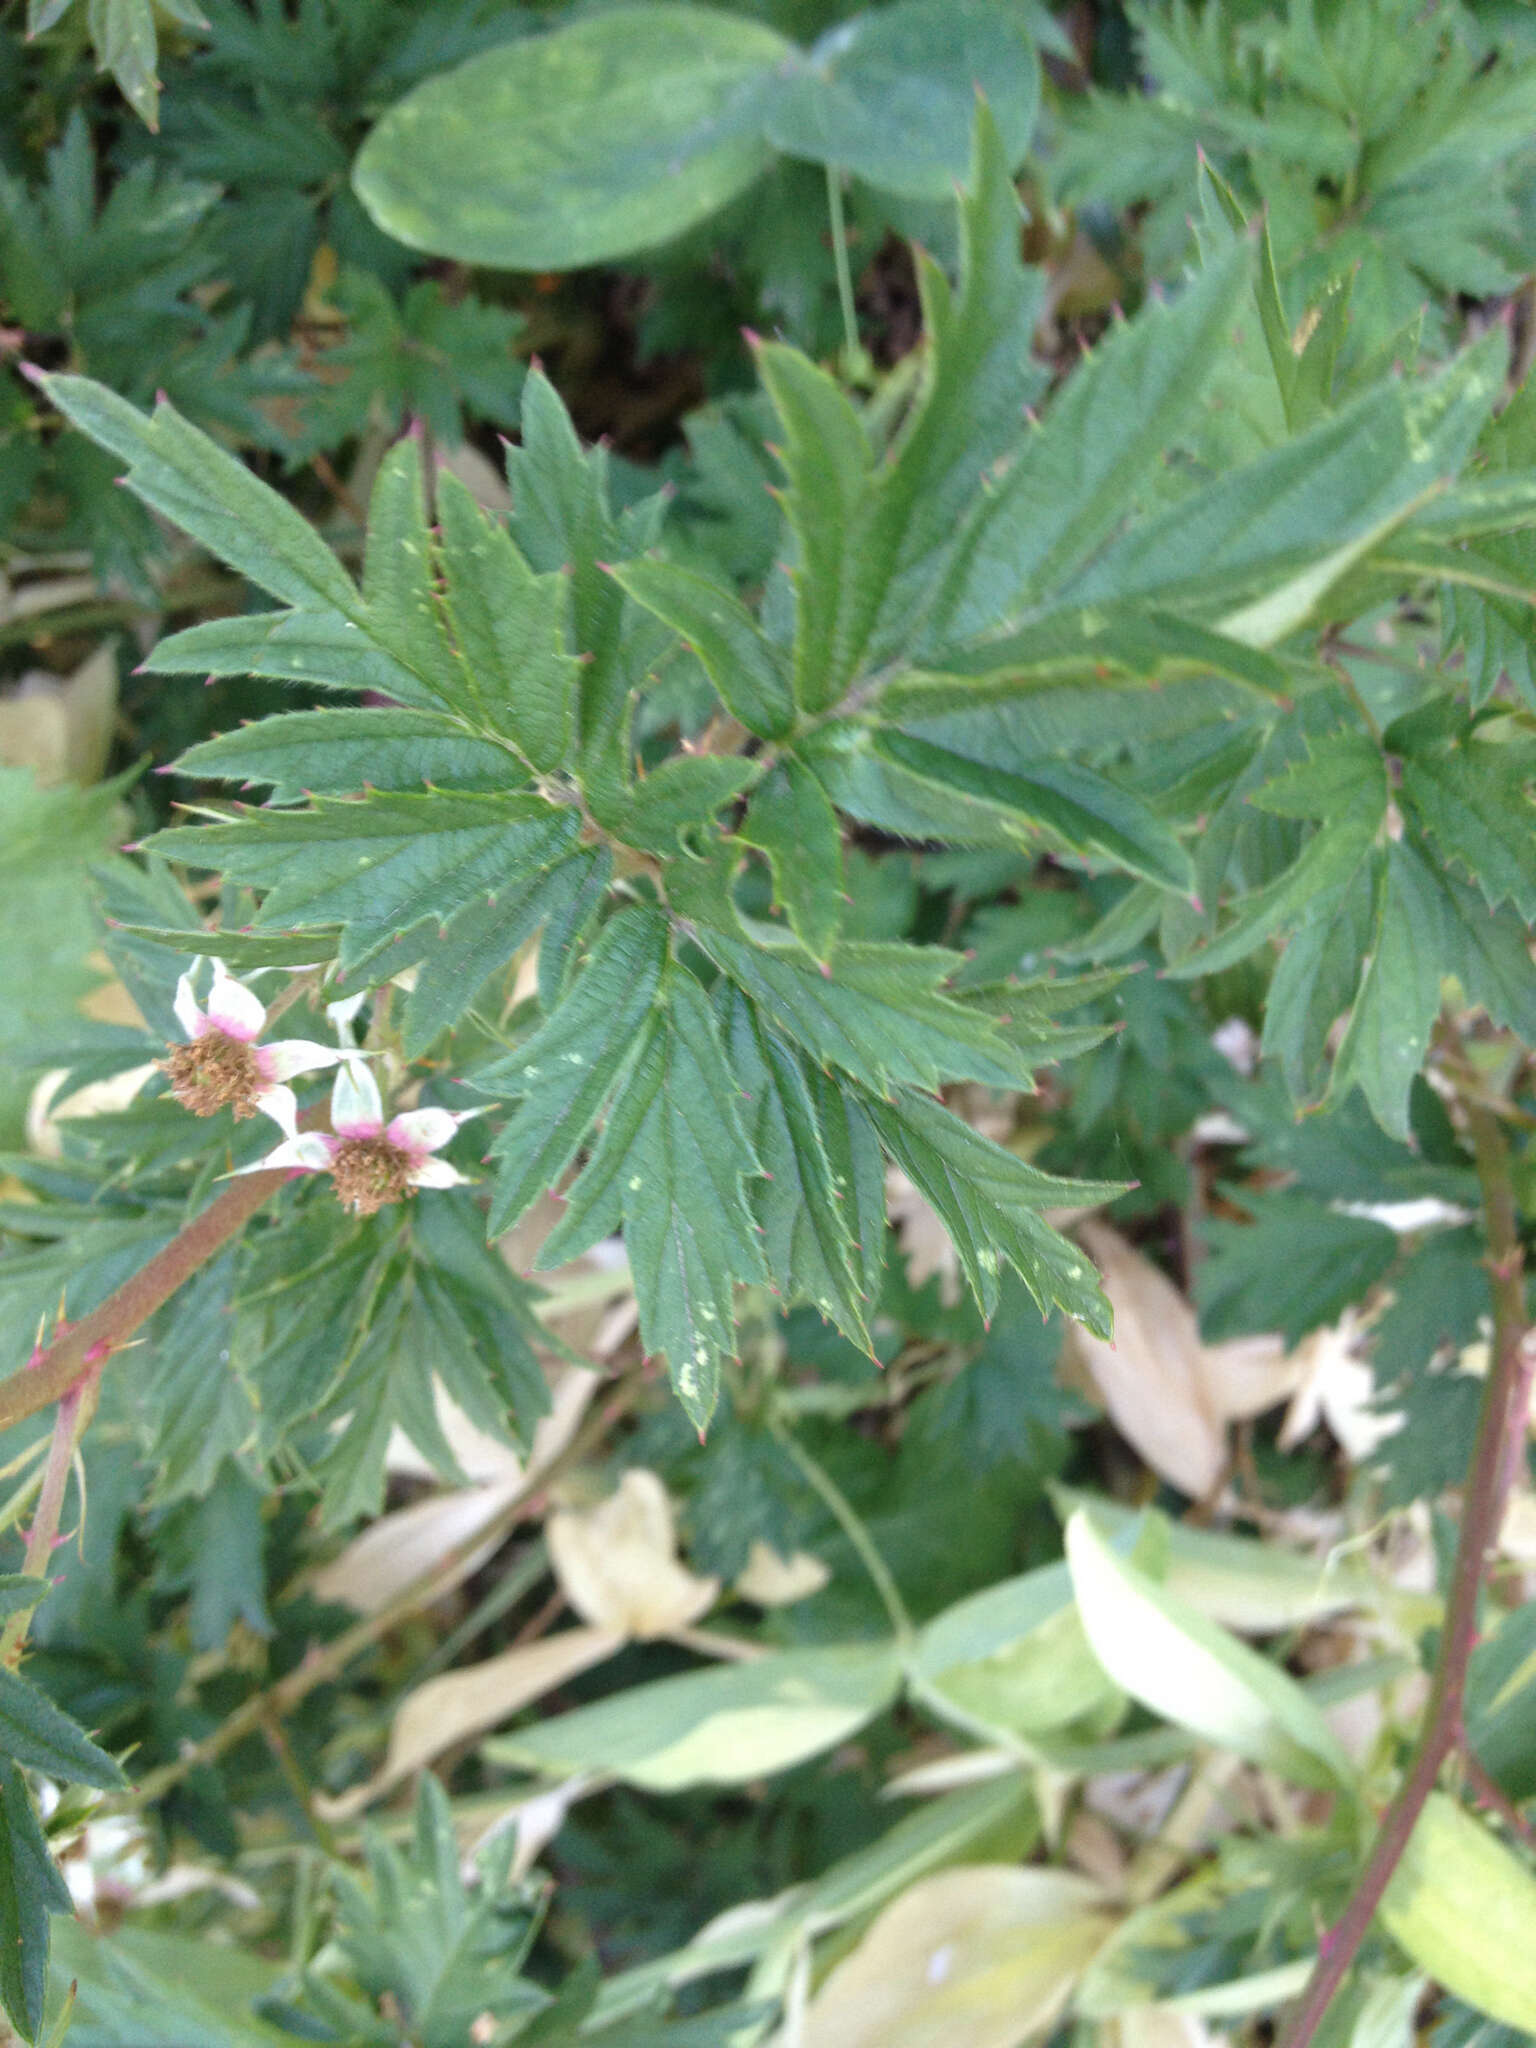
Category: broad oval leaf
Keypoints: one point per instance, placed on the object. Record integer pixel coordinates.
(606, 136)
(719, 1727)
(891, 94)
(1014, 1657)
(1193, 1673)
(984, 1956)
(1465, 1910)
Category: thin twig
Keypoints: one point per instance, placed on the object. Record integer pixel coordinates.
(1500, 1438)
(294, 1778)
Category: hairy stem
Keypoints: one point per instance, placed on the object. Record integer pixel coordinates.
(51, 1374)
(1500, 1438)
(70, 1424)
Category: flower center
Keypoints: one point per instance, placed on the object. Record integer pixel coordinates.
(215, 1072)
(369, 1173)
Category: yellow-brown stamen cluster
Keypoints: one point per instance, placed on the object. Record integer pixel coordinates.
(215, 1072)
(370, 1173)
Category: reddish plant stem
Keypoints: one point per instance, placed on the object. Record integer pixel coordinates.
(51, 1374)
(1500, 1439)
(70, 1424)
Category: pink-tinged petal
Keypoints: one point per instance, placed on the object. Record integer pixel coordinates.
(188, 1015)
(309, 1152)
(422, 1130)
(281, 1105)
(357, 1110)
(233, 1008)
(342, 1013)
(286, 1057)
(437, 1173)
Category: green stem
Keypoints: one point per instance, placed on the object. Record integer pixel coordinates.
(840, 259)
(817, 1477)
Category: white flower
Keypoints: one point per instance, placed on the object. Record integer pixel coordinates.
(222, 1065)
(372, 1162)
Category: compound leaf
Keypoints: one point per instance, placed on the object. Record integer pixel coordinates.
(791, 821)
(669, 1165)
(567, 1070)
(990, 1203)
(382, 867)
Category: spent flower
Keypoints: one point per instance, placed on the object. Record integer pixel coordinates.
(371, 1161)
(221, 1065)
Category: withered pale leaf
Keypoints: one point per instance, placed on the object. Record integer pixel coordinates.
(465, 1703)
(617, 1563)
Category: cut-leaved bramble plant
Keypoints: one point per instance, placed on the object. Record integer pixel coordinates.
(751, 859)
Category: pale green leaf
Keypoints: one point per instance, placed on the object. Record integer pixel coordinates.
(720, 1727)
(1464, 1908)
(891, 94)
(1013, 1659)
(601, 137)
(1185, 1668)
(982, 1956)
